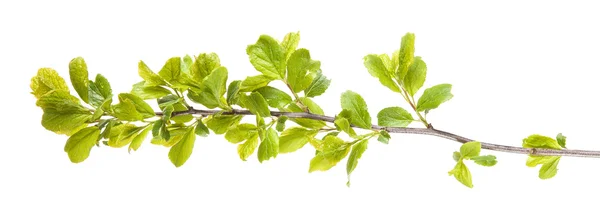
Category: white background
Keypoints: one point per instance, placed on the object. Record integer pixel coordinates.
(517, 68)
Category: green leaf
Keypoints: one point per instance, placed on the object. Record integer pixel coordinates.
(175, 135)
(240, 133)
(160, 131)
(149, 92)
(549, 170)
(334, 150)
(182, 150)
(394, 117)
(79, 77)
(539, 141)
(281, 123)
(62, 112)
(213, 90)
(433, 97)
(99, 91)
(171, 70)
(298, 66)
(220, 124)
(186, 64)
(151, 79)
(139, 139)
(384, 137)
(354, 103)
(456, 156)
(357, 150)
(167, 111)
(140, 105)
(561, 140)
(470, 149)
(415, 77)
(344, 125)
(387, 63)
(252, 83)
(294, 138)
(290, 43)
(487, 160)
(378, 69)
(233, 92)
(318, 86)
(201, 129)
(462, 174)
(79, 145)
(247, 148)
(256, 104)
(204, 65)
(126, 111)
(45, 81)
(405, 56)
(269, 147)
(268, 57)
(275, 97)
(549, 165)
(123, 134)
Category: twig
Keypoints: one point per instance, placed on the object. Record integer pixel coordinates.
(420, 131)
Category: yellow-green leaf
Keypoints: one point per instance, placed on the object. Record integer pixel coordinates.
(182, 150)
(79, 77)
(45, 81)
(269, 147)
(79, 145)
(268, 57)
(294, 138)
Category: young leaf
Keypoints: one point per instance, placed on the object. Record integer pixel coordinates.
(384, 137)
(160, 131)
(201, 129)
(549, 170)
(462, 174)
(99, 91)
(186, 64)
(357, 151)
(342, 124)
(256, 104)
(294, 138)
(405, 56)
(549, 165)
(144, 91)
(378, 69)
(204, 65)
(175, 135)
(275, 97)
(562, 140)
(126, 111)
(352, 102)
(220, 124)
(394, 117)
(182, 150)
(470, 149)
(415, 77)
(240, 133)
(79, 145)
(252, 83)
(456, 156)
(290, 43)
(45, 81)
(247, 148)
(333, 151)
(313, 108)
(140, 106)
(298, 66)
(79, 77)
(62, 112)
(233, 91)
(281, 123)
(150, 78)
(139, 139)
(433, 97)
(539, 141)
(171, 70)
(123, 134)
(487, 160)
(318, 86)
(269, 147)
(213, 90)
(268, 57)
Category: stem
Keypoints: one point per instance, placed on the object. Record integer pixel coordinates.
(297, 98)
(412, 105)
(420, 131)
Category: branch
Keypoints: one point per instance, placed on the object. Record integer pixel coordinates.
(420, 131)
